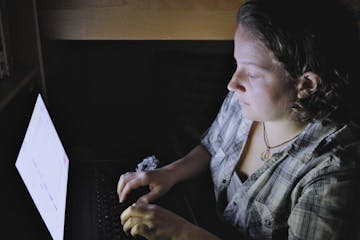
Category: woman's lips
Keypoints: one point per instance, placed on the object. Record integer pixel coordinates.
(243, 102)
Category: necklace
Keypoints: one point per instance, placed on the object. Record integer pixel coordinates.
(265, 155)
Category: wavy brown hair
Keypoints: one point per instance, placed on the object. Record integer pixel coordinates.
(306, 35)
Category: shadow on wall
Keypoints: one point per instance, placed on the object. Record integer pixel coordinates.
(136, 98)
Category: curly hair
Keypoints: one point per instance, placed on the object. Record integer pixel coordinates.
(303, 35)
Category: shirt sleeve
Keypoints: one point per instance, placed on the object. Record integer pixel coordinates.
(321, 210)
(210, 138)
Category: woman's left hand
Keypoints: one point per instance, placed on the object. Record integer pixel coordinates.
(153, 222)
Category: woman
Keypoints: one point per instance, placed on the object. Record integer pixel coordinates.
(282, 151)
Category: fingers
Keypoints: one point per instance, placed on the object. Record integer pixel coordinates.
(124, 178)
(131, 185)
(131, 222)
(129, 182)
(135, 219)
(152, 221)
(140, 229)
(137, 226)
(135, 210)
(151, 196)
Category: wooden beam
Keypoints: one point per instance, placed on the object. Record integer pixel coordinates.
(155, 20)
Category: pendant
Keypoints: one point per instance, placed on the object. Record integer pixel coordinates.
(265, 155)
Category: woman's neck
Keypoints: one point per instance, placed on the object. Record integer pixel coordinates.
(282, 130)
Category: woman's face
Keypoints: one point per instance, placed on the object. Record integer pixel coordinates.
(261, 84)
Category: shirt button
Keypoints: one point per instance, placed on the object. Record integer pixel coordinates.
(224, 181)
(267, 222)
(234, 203)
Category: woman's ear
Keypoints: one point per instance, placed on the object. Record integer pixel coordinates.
(308, 84)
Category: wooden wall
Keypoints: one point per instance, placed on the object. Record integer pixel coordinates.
(139, 19)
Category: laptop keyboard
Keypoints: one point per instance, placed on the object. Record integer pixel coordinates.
(108, 207)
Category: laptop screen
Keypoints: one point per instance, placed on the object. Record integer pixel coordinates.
(43, 166)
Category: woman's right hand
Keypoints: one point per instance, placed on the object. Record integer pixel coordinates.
(159, 181)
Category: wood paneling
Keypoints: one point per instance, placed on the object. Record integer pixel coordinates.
(139, 19)
(25, 58)
(143, 4)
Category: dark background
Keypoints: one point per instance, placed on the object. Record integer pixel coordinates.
(135, 98)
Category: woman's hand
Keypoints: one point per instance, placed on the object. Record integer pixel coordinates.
(153, 222)
(159, 181)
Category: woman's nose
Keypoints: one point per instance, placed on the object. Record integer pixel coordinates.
(236, 84)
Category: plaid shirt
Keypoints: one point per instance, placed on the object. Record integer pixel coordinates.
(301, 192)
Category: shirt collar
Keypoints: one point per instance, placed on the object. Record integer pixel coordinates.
(310, 138)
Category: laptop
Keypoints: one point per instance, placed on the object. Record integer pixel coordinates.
(91, 208)
(43, 166)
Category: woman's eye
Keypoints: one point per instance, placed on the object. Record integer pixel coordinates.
(251, 76)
